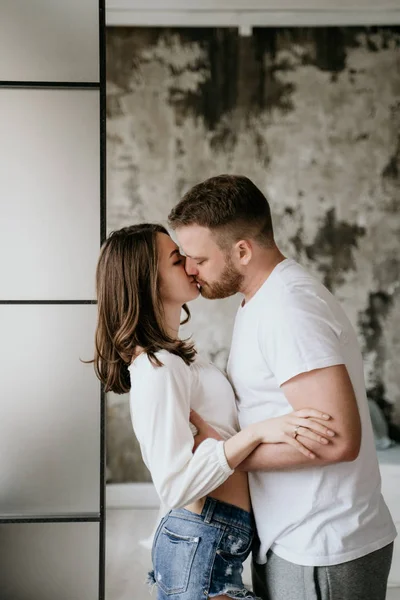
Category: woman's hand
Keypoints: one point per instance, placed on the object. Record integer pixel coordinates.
(285, 429)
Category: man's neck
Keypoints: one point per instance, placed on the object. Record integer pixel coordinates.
(261, 270)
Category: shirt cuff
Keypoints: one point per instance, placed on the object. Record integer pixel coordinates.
(222, 458)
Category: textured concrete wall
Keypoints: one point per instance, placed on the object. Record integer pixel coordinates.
(313, 117)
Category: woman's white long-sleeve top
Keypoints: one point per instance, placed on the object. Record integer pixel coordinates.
(160, 402)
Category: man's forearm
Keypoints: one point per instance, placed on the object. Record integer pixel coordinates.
(279, 457)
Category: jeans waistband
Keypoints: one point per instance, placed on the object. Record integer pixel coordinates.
(220, 512)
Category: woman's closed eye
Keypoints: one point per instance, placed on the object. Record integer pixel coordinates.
(180, 260)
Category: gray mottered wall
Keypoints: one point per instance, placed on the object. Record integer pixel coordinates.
(312, 115)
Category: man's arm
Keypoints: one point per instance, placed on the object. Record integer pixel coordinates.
(329, 390)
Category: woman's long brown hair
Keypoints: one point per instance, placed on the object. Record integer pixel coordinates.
(130, 312)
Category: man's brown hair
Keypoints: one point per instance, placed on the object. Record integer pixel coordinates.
(231, 206)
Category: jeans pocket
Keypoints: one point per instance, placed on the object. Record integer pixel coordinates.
(235, 544)
(173, 559)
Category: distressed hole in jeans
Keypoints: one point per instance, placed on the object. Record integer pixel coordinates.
(235, 593)
(151, 580)
(236, 544)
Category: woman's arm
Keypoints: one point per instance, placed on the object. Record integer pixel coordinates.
(304, 422)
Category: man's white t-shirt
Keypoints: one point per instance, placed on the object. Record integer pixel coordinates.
(315, 515)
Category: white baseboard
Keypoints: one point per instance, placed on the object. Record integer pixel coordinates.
(131, 495)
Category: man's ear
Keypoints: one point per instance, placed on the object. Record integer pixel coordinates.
(243, 252)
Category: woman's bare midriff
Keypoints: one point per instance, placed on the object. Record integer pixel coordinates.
(235, 490)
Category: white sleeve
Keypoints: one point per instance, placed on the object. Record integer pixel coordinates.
(160, 406)
(303, 335)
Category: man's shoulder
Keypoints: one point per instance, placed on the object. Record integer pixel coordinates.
(297, 285)
(295, 293)
(293, 275)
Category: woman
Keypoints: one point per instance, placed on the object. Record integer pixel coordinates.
(202, 542)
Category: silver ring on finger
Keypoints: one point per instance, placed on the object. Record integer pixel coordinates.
(296, 431)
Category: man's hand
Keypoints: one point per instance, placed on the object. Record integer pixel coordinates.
(205, 430)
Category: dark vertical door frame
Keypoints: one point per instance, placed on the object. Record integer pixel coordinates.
(103, 233)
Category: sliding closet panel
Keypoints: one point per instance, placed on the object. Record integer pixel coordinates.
(49, 185)
(50, 416)
(49, 40)
(49, 561)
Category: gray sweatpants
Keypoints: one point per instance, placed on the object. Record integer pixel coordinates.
(362, 579)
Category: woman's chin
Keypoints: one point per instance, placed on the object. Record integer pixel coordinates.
(195, 293)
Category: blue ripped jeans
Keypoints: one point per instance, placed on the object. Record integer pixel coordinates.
(200, 556)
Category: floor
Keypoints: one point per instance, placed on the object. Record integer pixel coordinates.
(128, 558)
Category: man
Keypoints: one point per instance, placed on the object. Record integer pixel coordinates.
(324, 529)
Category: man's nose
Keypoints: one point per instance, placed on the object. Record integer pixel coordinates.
(190, 266)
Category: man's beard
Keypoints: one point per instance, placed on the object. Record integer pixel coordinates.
(229, 284)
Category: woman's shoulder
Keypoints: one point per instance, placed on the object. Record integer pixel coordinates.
(151, 380)
(169, 362)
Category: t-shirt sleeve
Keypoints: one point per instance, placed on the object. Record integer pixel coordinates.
(160, 406)
(301, 336)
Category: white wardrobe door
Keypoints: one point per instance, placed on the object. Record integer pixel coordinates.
(49, 40)
(50, 417)
(49, 190)
(49, 561)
